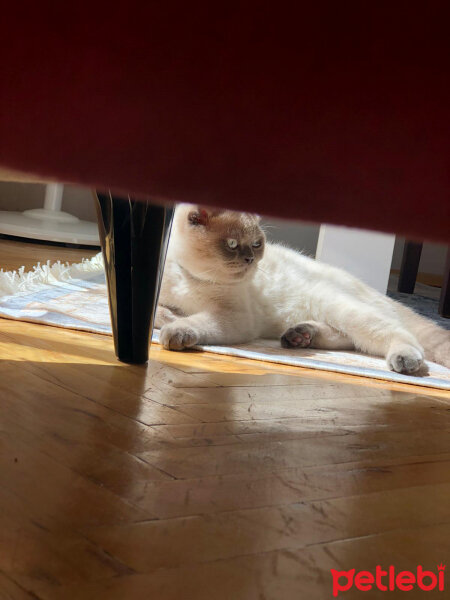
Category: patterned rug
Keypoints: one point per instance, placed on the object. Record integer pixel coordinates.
(422, 304)
(75, 297)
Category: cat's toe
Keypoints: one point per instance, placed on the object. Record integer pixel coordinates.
(408, 360)
(178, 338)
(299, 336)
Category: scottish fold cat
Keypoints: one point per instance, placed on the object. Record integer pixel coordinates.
(224, 283)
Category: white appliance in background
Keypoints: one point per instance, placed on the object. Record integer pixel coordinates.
(365, 254)
(50, 222)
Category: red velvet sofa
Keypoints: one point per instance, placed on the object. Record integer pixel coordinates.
(329, 111)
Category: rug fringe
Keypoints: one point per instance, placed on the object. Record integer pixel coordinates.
(14, 282)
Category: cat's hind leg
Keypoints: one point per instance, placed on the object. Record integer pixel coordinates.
(373, 329)
(312, 334)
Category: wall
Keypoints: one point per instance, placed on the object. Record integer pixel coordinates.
(304, 237)
(21, 196)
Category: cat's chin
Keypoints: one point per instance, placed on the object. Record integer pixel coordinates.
(238, 276)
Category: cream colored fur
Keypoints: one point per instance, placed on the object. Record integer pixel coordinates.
(211, 295)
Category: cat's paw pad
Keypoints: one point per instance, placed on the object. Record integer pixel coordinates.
(405, 360)
(178, 337)
(299, 336)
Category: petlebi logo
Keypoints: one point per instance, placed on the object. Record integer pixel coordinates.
(388, 580)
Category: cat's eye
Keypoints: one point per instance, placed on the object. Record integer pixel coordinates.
(232, 243)
(257, 244)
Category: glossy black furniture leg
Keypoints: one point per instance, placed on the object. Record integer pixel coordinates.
(444, 302)
(409, 267)
(134, 236)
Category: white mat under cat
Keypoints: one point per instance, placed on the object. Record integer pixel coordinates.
(75, 297)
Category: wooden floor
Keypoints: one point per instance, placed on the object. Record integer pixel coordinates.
(206, 477)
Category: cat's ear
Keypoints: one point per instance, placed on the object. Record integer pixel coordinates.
(202, 216)
(199, 216)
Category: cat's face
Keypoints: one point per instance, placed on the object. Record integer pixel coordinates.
(220, 246)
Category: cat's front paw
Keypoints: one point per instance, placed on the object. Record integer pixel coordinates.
(299, 336)
(178, 337)
(405, 360)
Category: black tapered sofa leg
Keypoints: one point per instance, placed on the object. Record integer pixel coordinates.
(134, 236)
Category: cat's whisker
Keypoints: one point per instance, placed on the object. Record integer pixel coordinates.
(262, 270)
(205, 272)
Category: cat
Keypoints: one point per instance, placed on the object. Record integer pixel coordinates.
(223, 283)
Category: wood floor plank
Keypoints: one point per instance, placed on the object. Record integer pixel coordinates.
(296, 393)
(41, 550)
(170, 543)
(263, 457)
(217, 493)
(15, 254)
(9, 590)
(280, 574)
(85, 448)
(31, 395)
(57, 490)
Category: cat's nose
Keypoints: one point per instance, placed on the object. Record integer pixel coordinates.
(249, 259)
